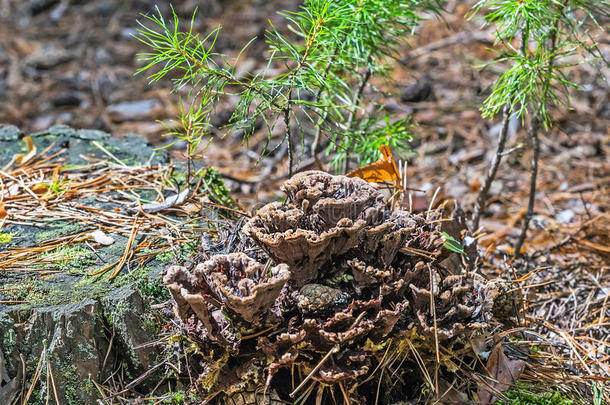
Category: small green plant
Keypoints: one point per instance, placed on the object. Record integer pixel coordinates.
(175, 398)
(191, 126)
(538, 40)
(598, 392)
(327, 57)
(151, 287)
(57, 187)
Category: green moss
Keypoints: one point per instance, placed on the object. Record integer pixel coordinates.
(70, 376)
(6, 237)
(177, 179)
(153, 289)
(89, 386)
(8, 339)
(178, 256)
(71, 259)
(178, 398)
(87, 351)
(522, 394)
(189, 249)
(166, 257)
(175, 398)
(111, 148)
(79, 286)
(216, 188)
(58, 228)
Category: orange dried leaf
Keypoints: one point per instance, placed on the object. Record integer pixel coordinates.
(3, 212)
(383, 170)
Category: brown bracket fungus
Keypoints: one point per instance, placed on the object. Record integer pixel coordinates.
(354, 286)
(463, 304)
(244, 285)
(235, 282)
(325, 216)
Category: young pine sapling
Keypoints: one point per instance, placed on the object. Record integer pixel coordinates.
(548, 34)
(326, 61)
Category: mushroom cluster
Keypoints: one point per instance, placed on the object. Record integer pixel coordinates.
(347, 281)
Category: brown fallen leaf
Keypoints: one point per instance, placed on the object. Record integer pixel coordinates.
(3, 212)
(503, 370)
(380, 171)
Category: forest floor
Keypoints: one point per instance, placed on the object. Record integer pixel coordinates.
(73, 63)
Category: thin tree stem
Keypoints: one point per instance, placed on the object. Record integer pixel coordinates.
(189, 146)
(311, 41)
(287, 111)
(479, 208)
(533, 134)
(188, 165)
(315, 146)
(352, 115)
(534, 174)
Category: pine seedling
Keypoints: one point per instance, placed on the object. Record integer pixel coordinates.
(548, 34)
(327, 59)
(192, 127)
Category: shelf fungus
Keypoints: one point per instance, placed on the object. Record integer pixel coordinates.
(349, 286)
(234, 284)
(324, 217)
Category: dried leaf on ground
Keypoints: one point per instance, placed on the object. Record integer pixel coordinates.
(503, 370)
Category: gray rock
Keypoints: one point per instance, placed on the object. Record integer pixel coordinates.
(133, 110)
(9, 133)
(47, 57)
(84, 328)
(83, 342)
(132, 150)
(128, 313)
